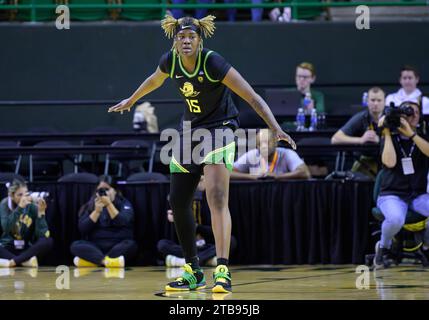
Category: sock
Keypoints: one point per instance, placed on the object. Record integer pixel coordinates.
(195, 262)
(222, 261)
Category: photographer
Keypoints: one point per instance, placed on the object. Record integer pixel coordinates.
(25, 236)
(107, 223)
(405, 158)
(362, 129)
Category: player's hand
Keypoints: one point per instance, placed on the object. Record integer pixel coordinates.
(281, 135)
(124, 105)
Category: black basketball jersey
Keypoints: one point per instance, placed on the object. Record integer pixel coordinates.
(208, 102)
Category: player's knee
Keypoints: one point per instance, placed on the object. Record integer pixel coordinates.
(217, 198)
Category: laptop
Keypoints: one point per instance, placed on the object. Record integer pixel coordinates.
(283, 102)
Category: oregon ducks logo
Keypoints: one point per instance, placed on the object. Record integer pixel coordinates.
(200, 79)
(188, 90)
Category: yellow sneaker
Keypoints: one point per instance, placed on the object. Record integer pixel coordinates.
(81, 263)
(114, 273)
(118, 262)
(222, 280)
(82, 272)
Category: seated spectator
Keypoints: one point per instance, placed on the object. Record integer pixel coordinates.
(202, 12)
(268, 160)
(106, 222)
(25, 233)
(305, 76)
(256, 13)
(171, 251)
(409, 80)
(362, 128)
(405, 158)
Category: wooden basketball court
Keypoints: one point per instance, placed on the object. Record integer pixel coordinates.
(250, 282)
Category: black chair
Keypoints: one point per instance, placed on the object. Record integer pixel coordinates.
(10, 162)
(147, 177)
(409, 241)
(79, 177)
(145, 155)
(156, 164)
(321, 160)
(48, 167)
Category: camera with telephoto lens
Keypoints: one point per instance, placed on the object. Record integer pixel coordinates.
(36, 196)
(393, 115)
(102, 192)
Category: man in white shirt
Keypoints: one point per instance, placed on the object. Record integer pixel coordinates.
(269, 161)
(409, 79)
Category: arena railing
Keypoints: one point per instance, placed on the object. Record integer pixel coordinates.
(294, 4)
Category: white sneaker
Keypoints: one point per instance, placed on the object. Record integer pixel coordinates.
(32, 263)
(4, 263)
(7, 272)
(173, 273)
(173, 261)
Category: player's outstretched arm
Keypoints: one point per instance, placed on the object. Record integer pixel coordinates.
(240, 86)
(152, 83)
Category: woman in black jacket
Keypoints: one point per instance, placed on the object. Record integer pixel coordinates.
(106, 223)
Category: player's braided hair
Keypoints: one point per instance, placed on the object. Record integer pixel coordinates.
(204, 26)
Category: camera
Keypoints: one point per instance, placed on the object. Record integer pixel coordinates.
(102, 192)
(35, 196)
(393, 115)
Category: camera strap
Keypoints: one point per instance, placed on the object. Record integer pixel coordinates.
(407, 161)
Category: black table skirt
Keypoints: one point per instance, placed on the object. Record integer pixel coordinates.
(297, 222)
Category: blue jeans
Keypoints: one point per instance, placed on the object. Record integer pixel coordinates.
(395, 210)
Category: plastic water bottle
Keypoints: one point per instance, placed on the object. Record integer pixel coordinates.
(300, 120)
(307, 100)
(313, 120)
(321, 120)
(365, 99)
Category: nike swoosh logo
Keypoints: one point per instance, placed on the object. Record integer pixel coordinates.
(225, 123)
(178, 77)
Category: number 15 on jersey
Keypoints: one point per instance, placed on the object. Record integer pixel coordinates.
(193, 105)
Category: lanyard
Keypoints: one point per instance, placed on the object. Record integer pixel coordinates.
(274, 162)
(402, 149)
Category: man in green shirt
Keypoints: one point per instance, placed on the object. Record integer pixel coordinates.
(305, 76)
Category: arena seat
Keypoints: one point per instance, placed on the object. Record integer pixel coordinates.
(89, 14)
(41, 14)
(79, 177)
(141, 14)
(146, 176)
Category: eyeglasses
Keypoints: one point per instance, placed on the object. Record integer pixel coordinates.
(303, 77)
